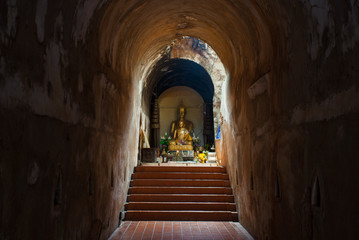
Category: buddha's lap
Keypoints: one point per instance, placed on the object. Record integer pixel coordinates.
(173, 147)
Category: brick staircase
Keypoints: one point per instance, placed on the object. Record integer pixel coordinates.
(164, 193)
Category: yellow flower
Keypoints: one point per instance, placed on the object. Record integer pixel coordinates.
(202, 156)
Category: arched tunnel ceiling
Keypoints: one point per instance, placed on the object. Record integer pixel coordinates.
(181, 72)
(134, 34)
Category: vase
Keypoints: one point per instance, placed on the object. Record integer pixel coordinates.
(163, 151)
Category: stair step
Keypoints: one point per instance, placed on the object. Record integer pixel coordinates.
(211, 160)
(172, 193)
(180, 190)
(180, 182)
(179, 169)
(134, 215)
(179, 198)
(199, 206)
(178, 175)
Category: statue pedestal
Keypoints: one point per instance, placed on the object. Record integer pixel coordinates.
(173, 147)
(183, 155)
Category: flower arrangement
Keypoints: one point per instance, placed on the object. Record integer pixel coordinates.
(165, 142)
(202, 157)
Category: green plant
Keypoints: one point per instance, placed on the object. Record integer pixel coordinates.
(164, 143)
(207, 147)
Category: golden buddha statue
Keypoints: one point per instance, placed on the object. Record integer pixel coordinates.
(182, 134)
(182, 139)
(175, 124)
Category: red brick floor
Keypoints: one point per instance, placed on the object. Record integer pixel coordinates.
(155, 230)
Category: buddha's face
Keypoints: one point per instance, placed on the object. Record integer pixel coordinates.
(182, 112)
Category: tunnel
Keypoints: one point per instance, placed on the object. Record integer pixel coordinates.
(79, 79)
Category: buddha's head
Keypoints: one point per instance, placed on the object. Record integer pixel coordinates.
(182, 112)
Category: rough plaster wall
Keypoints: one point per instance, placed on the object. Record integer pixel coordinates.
(41, 10)
(84, 12)
(65, 125)
(303, 127)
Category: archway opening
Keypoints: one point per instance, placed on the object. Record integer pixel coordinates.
(185, 73)
(190, 75)
(169, 102)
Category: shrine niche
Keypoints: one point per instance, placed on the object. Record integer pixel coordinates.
(181, 103)
(181, 109)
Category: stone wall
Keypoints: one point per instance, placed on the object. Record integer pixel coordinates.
(290, 134)
(68, 144)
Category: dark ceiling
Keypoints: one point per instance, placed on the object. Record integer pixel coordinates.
(181, 72)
